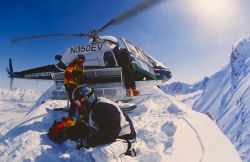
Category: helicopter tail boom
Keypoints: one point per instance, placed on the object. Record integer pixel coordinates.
(42, 72)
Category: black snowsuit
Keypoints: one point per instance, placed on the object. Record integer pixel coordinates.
(124, 60)
(106, 116)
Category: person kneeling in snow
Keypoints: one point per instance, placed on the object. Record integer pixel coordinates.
(114, 134)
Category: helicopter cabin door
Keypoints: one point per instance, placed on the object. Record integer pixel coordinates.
(109, 59)
(109, 76)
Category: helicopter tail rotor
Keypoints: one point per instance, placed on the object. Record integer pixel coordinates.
(10, 73)
(10, 69)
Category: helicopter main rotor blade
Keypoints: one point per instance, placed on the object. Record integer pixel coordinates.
(130, 13)
(49, 35)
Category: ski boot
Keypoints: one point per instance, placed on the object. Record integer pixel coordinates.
(128, 92)
(135, 92)
(131, 153)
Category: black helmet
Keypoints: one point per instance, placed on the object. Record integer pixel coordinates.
(84, 90)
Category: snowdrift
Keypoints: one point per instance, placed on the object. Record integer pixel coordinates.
(14, 104)
(166, 131)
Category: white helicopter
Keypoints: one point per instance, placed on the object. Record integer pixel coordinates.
(102, 67)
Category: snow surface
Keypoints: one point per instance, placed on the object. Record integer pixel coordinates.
(14, 104)
(167, 131)
(189, 99)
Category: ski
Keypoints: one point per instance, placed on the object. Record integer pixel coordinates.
(130, 103)
(61, 109)
(124, 100)
(129, 108)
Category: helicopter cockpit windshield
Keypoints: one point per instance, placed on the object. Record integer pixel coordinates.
(140, 57)
(137, 52)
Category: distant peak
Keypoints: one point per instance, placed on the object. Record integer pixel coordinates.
(239, 59)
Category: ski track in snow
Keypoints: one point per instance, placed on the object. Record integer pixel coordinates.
(180, 114)
(198, 137)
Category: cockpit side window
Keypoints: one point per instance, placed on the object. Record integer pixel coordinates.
(109, 59)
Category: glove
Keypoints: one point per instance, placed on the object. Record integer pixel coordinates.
(84, 130)
(80, 119)
(83, 142)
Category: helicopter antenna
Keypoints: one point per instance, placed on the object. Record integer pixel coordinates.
(145, 4)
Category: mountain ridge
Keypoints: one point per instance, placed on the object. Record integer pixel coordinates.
(226, 98)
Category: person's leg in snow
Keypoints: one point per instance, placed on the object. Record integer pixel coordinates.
(113, 152)
(70, 88)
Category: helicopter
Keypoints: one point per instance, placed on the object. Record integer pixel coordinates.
(102, 66)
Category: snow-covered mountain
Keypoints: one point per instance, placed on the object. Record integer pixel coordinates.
(184, 88)
(166, 131)
(227, 98)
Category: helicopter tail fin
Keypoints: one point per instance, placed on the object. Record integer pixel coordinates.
(10, 69)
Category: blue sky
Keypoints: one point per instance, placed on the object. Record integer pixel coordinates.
(193, 38)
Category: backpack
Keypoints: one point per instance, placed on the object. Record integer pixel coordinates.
(59, 131)
(69, 128)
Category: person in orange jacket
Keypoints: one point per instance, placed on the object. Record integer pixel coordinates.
(73, 77)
